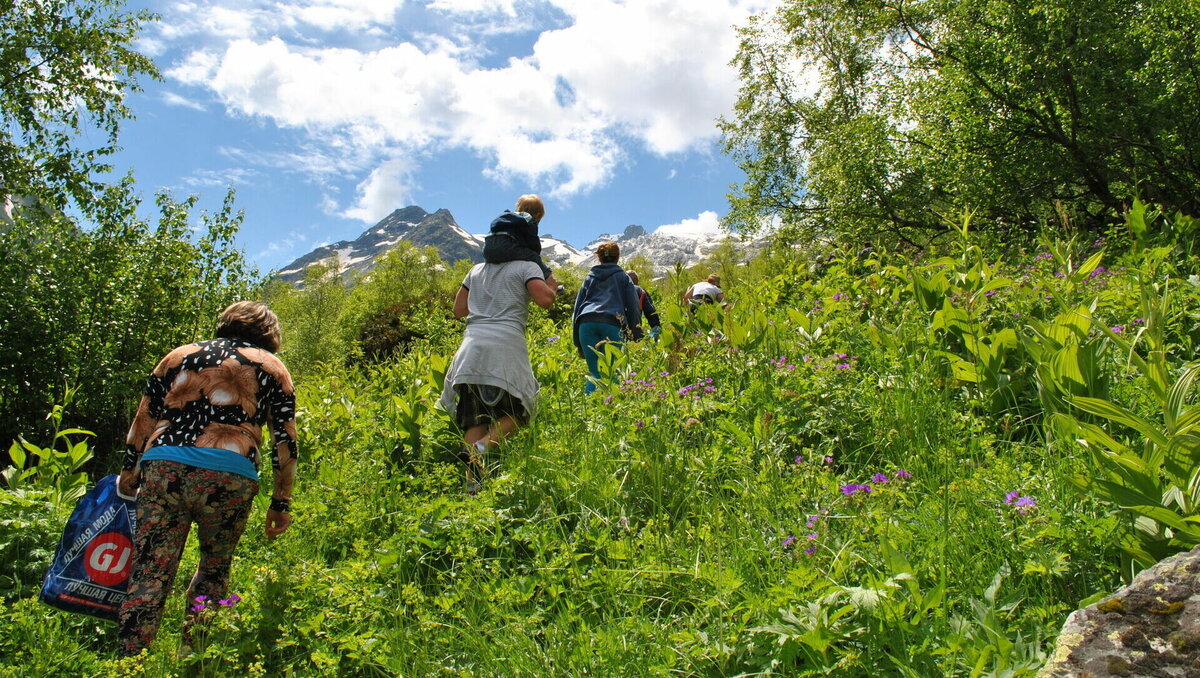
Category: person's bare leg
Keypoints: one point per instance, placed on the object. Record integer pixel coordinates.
(473, 463)
(500, 429)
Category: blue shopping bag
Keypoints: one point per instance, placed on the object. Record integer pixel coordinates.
(90, 570)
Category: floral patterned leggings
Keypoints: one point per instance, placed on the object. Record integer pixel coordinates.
(171, 497)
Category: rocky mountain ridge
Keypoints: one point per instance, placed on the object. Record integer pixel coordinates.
(441, 231)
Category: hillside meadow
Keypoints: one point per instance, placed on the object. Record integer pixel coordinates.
(880, 464)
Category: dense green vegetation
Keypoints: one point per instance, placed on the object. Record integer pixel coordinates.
(876, 120)
(869, 465)
(911, 461)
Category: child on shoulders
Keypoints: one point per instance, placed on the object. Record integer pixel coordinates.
(514, 236)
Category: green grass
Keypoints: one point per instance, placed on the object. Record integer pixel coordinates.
(672, 525)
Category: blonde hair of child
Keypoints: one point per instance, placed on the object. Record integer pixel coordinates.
(531, 205)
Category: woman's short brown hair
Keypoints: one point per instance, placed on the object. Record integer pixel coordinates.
(250, 321)
(608, 252)
(633, 276)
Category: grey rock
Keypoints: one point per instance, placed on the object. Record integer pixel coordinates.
(1150, 628)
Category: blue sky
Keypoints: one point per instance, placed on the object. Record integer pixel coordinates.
(326, 115)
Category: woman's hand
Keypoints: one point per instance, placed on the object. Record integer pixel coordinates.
(128, 482)
(277, 523)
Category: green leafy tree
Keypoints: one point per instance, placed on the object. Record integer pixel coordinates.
(95, 309)
(873, 120)
(66, 67)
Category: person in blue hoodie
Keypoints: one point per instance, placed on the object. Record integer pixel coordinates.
(606, 309)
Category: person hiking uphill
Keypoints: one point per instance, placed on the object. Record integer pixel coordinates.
(646, 306)
(605, 308)
(706, 291)
(514, 236)
(490, 389)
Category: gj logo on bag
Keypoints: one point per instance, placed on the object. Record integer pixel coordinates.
(90, 571)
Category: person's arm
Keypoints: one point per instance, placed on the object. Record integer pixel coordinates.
(651, 312)
(281, 415)
(145, 422)
(541, 291)
(583, 289)
(460, 303)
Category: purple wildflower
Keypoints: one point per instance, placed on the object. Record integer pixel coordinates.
(810, 550)
(1011, 496)
(198, 607)
(811, 536)
(855, 488)
(842, 366)
(551, 340)
(624, 522)
(828, 460)
(812, 520)
(838, 296)
(1139, 321)
(787, 543)
(608, 400)
(232, 600)
(990, 293)
(879, 478)
(799, 458)
(1118, 328)
(901, 473)
(640, 424)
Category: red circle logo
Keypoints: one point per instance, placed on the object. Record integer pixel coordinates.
(108, 558)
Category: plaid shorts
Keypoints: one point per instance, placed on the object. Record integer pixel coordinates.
(479, 404)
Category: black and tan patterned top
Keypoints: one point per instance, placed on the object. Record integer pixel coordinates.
(216, 394)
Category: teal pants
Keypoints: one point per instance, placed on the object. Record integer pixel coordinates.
(590, 336)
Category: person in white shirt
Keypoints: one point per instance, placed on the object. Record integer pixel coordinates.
(706, 291)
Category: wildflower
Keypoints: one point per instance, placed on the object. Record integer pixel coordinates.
(608, 400)
(842, 366)
(1099, 270)
(838, 296)
(855, 488)
(624, 522)
(901, 473)
(828, 460)
(799, 458)
(1043, 255)
(709, 389)
(879, 479)
(664, 374)
(812, 536)
(1118, 328)
(812, 520)
(787, 543)
(1139, 321)
(990, 293)
(198, 607)
(1025, 504)
(640, 424)
(551, 340)
(810, 550)
(232, 600)
(1011, 496)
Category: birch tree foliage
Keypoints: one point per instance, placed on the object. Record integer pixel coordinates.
(66, 67)
(884, 119)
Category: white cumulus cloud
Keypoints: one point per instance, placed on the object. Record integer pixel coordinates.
(389, 185)
(561, 114)
(706, 225)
